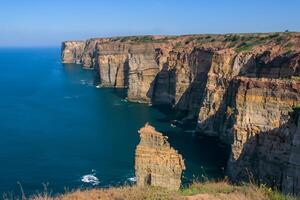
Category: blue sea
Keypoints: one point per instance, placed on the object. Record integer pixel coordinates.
(60, 131)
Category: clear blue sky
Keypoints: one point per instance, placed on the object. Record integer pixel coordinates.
(48, 22)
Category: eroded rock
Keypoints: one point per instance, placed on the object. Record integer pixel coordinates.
(72, 51)
(156, 162)
(236, 87)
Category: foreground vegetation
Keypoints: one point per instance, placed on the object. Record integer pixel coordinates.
(220, 190)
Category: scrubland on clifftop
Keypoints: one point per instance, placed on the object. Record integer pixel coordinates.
(219, 190)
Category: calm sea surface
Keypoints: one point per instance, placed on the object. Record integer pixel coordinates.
(57, 128)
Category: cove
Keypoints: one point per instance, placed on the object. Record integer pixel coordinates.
(57, 128)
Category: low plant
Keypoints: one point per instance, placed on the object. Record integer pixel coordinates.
(229, 111)
(295, 78)
(209, 187)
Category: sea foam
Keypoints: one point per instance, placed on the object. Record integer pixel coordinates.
(90, 178)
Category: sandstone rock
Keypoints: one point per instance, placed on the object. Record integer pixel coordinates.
(156, 162)
(234, 92)
(113, 59)
(264, 134)
(72, 51)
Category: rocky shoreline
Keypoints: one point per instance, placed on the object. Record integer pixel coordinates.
(241, 88)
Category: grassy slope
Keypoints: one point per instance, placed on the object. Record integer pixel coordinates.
(203, 191)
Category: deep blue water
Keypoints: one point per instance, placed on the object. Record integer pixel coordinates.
(56, 126)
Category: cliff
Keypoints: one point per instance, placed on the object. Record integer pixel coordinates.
(237, 87)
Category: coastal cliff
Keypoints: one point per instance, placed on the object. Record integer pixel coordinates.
(240, 88)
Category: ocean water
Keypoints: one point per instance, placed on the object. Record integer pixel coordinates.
(57, 129)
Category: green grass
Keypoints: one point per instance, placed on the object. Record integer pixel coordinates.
(208, 188)
(249, 190)
(296, 107)
(178, 44)
(295, 78)
(275, 194)
(244, 47)
(229, 111)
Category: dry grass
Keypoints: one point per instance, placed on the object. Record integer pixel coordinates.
(121, 193)
(220, 190)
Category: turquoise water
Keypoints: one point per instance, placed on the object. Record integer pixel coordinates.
(56, 127)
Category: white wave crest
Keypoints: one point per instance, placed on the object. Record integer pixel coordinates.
(90, 178)
(132, 179)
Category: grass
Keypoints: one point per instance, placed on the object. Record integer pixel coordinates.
(295, 108)
(246, 191)
(212, 190)
(275, 194)
(239, 42)
(229, 111)
(178, 44)
(207, 188)
(244, 46)
(295, 78)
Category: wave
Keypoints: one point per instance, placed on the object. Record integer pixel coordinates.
(71, 97)
(90, 178)
(85, 82)
(132, 179)
(173, 125)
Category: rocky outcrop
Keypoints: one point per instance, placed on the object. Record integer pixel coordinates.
(72, 51)
(235, 87)
(156, 162)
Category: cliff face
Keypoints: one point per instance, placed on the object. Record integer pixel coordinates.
(156, 162)
(236, 87)
(262, 131)
(72, 51)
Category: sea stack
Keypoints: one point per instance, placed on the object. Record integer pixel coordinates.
(156, 162)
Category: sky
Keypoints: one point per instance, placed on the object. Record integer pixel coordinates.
(49, 22)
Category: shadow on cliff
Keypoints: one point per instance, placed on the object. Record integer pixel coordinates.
(126, 73)
(122, 92)
(188, 106)
(266, 158)
(220, 125)
(163, 89)
(264, 65)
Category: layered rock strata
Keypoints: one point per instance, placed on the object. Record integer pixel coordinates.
(72, 51)
(235, 87)
(156, 162)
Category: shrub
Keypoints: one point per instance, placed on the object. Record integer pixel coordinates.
(229, 111)
(178, 44)
(295, 78)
